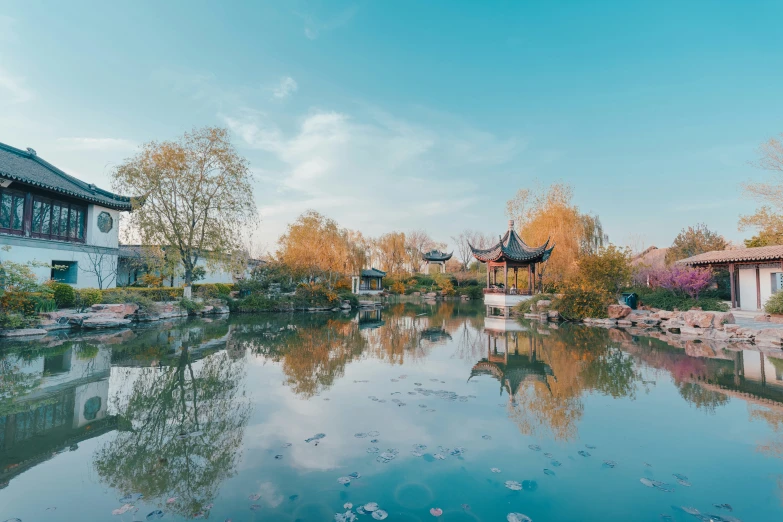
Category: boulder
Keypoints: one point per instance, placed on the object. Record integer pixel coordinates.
(618, 311)
(553, 315)
(773, 336)
(121, 310)
(543, 304)
(664, 314)
(698, 318)
(23, 332)
(776, 319)
(624, 322)
(430, 295)
(345, 305)
(698, 349)
(416, 294)
(763, 318)
(722, 318)
(104, 321)
(619, 336)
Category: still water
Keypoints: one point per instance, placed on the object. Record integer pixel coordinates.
(409, 413)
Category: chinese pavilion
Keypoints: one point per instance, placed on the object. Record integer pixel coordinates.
(510, 254)
(435, 257)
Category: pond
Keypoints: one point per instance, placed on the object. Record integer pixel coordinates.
(408, 413)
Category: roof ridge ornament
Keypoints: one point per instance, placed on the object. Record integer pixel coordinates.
(31, 151)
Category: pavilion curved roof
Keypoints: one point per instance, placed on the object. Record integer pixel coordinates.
(511, 247)
(436, 255)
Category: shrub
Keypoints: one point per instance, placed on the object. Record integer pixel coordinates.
(581, 299)
(86, 297)
(667, 300)
(131, 294)
(223, 289)
(207, 291)
(314, 295)
(191, 306)
(397, 288)
(608, 268)
(44, 303)
(774, 304)
(64, 295)
(682, 279)
(16, 302)
(11, 321)
(473, 292)
(350, 297)
(526, 307)
(253, 303)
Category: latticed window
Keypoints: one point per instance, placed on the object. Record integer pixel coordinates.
(60, 220)
(11, 211)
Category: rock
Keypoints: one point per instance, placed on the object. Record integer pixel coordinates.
(763, 318)
(619, 336)
(553, 315)
(543, 304)
(690, 330)
(104, 321)
(416, 294)
(731, 328)
(638, 316)
(698, 318)
(698, 349)
(618, 311)
(23, 332)
(771, 336)
(664, 314)
(121, 310)
(345, 305)
(776, 319)
(207, 309)
(431, 295)
(722, 318)
(624, 322)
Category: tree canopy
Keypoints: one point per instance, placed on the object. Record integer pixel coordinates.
(695, 240)
(767, 219)
(193, 194)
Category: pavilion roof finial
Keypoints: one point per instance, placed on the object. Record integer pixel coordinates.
(511, 224)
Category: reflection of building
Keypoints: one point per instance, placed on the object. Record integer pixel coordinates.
(370, 281)
(370, 318)
(510, 367)
(434, 334)
(62, 400)
(757, 378)
(435, 257)
(510, 252)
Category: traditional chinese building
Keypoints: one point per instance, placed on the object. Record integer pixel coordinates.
(507, 257)
(55, 219)
(369, 281)
(435, 257)
(754, 273)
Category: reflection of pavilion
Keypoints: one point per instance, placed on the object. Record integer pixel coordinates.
(370, 318)
(68, 404)
(512, 369)
(756, 378)
(435, 335)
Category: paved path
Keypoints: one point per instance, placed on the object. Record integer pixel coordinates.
(747, 319)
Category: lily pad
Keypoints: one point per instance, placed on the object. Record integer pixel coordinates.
(549, 472)
(535, 447)
(371, 506)
(513, 485)
(495, 470)
(436, 512)
(609, 464)
(155, 515)
(379, 514)
(518, 517)
(344, 481)
(584, 453)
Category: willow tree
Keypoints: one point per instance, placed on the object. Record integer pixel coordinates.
(543, 213)
(192, 195)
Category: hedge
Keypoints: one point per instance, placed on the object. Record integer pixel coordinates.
(110, 295)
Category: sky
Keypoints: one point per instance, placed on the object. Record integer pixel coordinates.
(416, 115)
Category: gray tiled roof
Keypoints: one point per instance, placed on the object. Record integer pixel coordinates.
(512, 248)
(373, 272)
(27, 167)
(767, 253)
(436, 255)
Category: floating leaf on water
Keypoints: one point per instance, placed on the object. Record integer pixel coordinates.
(374, 441)
(355, 475)
(535, 447)
(679, 476)
(379, 514)
(278, 457)
(436, 512)
(590, 446)
(155, 515)
(691, 510)
(394, 380)
(417, 453)
(402, 377)
(529, 485)
(420, 447)
(255, 507)
(486, 437)
(440, 456)
(727, 507)
(254, 497)
(317, 436)
(286, 445)
(360, 510)
(344, 517)
(609, 464)
(344, 481)
(584, 453)
(14, 520)
(121, 510)
(647, 464)
(457, 452)
(495, 470)
(518, 517)
(370, 506)
(373, 450)
(683, 483)
(347, 505)
(513, 485)
(417, 383)
(549, 455)
(360, 435)
(549, 472)
(656, 484)
(647, 482)
(465, 507)
(373, 433)
(130, 499)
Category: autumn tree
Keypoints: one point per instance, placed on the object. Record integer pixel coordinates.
(392, 252)
(417, 242)
(465, 239)
(316, 248)
(768, 219)
(609, 268)
(543, 213)
(695, 240)
(192, 195)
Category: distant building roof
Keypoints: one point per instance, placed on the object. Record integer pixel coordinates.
(653, 257)
(511, 247)
(373, 272)
(27, 167)
(436, 255)
(716, 257)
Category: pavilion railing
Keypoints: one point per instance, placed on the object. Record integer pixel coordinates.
(506, 291)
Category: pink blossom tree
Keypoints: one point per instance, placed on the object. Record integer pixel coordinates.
(682, 279)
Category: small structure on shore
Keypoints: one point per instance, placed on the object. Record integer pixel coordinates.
(510, 252)
(435, 257)
(369, 281)
(754, 273)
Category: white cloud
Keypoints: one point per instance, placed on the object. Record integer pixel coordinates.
(315, 25)
(375, 174)
(95, 144)
(285, 88)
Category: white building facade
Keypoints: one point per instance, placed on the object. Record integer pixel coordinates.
(68, 229)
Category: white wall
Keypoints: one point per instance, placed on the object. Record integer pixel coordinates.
(747, 286)
(46, 253)
(93, 235)
(217, 275)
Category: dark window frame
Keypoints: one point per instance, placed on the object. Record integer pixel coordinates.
(15, 196)
(61, 235)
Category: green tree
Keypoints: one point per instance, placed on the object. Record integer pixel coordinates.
(694, 240)
(192, 195)
(608, 267)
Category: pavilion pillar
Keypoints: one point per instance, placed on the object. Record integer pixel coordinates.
(732, 286)
(487, 276)
(505, 277)
(516, 278)
(530, 279)
(758, 287)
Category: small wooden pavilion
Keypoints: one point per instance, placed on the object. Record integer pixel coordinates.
(511, 253)
(435, 257)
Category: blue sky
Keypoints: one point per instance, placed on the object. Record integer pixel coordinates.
(402, 115)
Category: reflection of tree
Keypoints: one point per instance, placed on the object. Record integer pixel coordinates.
(14, 382)
(180, 430)
(701, 397)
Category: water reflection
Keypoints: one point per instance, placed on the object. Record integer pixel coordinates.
(173, 401)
